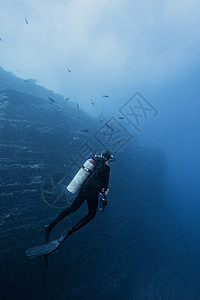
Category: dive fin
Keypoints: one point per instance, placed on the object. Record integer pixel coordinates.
(43, 249)
(48, 248)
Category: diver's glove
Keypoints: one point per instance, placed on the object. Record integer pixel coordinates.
(103, 203)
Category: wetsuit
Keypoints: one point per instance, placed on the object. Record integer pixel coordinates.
(90, 192)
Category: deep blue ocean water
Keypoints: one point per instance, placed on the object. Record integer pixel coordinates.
(146, 243)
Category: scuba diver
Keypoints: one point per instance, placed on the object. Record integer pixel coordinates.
(98, 172)
(91, 180)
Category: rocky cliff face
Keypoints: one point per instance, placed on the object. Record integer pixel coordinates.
(37, 136)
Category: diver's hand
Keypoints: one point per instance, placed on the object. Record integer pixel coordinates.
(103, 203)
(104, 192)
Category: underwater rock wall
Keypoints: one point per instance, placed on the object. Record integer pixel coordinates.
(36, 138)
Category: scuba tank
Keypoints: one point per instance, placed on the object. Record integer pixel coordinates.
(86, 169)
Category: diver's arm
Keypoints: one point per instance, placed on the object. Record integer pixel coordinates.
(105, 189)
(106, 179)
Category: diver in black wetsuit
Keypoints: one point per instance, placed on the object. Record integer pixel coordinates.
(95, 184)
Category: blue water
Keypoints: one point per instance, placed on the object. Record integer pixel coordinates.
(65, 58)
(146, 243)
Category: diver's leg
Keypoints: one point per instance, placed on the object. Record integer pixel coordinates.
(72, 208)
(92, 202)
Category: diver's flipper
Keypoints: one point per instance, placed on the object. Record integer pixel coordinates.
(47, 248)
(43, 249)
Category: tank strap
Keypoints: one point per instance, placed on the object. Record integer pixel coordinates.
(86, 169)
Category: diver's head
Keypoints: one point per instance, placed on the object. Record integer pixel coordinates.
(107, 155)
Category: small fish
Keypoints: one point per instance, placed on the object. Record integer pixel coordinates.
(51, 91)
(26, 80)
(1, 39)
(92, 102)
(51, 99)
(77, 104)
(69, 70)
(26, 20)
(105, 96)
(66, 99)
(121, 118)
(84, 130)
